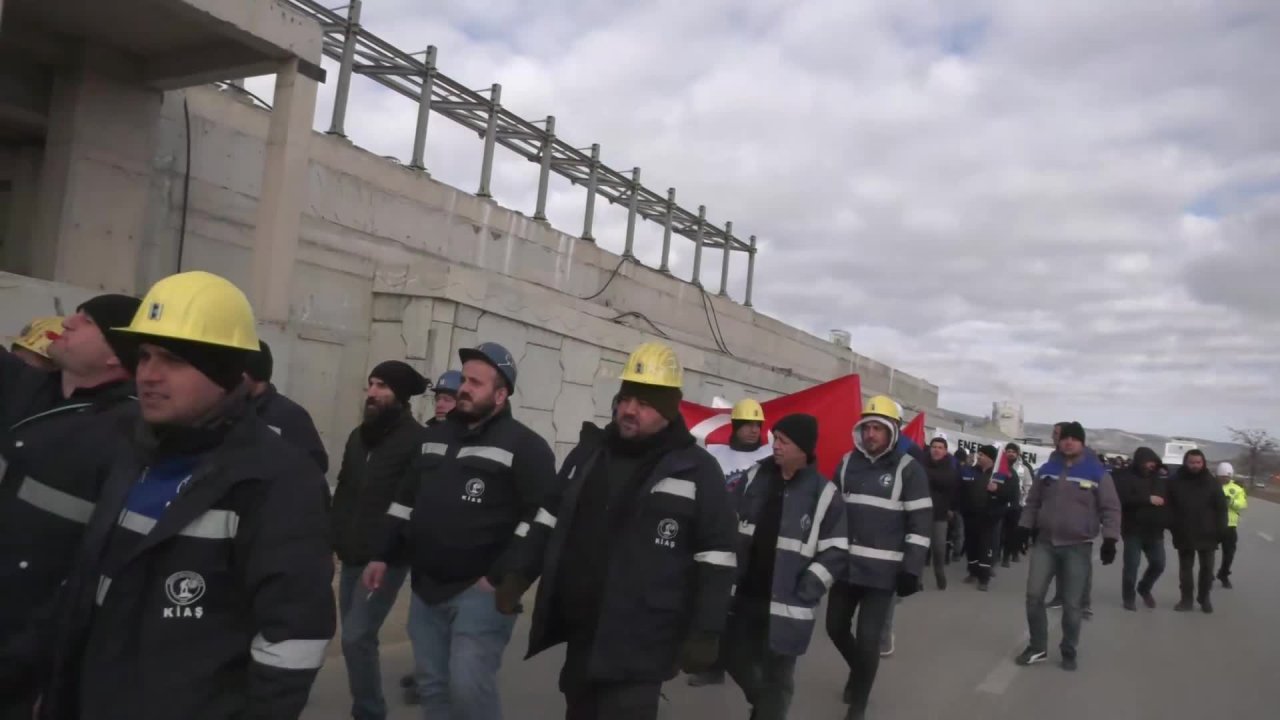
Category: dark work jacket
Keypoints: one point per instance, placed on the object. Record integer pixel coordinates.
(222, 610)
(53, 455)
(944, 484)
(980, 501)
(293, 423)
(671, 564)
(1138, 516)
(470, 505)
(1198, 509)
(368, 480)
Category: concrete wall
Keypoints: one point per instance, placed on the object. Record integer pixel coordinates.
(393, 264)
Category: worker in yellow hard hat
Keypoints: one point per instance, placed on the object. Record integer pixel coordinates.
(642, 503)
(32, 345)
(211, 536)
(746, 447)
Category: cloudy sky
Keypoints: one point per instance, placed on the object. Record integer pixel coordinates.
(1074, 204)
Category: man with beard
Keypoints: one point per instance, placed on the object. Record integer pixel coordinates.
(59, 430)
(203, 587)
(944, 480)
(890, 517)
(1199, 522)
(640, 567)
(378, 454)
(32, 344)
(471, 517)
(289, 419)
(1072, 499)
(1144, 497)
(746, 447)
(1237, 501)
(987, 499)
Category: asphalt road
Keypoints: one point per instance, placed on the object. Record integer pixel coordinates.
(954, 657)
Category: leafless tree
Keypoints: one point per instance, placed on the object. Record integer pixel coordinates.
(1259, 451)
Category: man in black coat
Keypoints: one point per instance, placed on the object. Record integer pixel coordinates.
(1199, 522)
(1144, 497)
(944, 481)
(987, 499)
(378, 454)
(57, 435)
(286, 417)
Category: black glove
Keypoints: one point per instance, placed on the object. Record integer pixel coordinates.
(1108, 551)
(699, 652)
(908, 584)
(506, 597)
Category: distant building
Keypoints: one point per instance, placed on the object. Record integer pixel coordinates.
(1007, 416)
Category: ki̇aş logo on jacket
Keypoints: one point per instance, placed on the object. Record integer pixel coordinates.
(474, 492)
(184, 589)
(668, 529)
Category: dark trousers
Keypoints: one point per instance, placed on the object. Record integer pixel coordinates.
(1135, 546)
(860, 650)
(767, 679)
(1010, 546)
(937, 551)
(588, 700)
(1189, 580)
(979, 540)
(18, 709)
(1228, 552)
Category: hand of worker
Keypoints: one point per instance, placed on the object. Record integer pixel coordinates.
(699, 652)
(1026, 536)
(506, 598)
(991, 487)
(1157, 500)
(1108, 551)
(373, 574)
(908, 584)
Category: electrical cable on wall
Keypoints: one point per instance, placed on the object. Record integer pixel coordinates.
(186, 185)
(604, 287)
(716, 317)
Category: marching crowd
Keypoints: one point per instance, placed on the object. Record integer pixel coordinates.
(167, 534)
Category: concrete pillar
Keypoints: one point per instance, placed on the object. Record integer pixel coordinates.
(20, 167)
(95, 177)
(284, 187)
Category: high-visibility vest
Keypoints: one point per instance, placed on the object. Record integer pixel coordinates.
(1237, 501)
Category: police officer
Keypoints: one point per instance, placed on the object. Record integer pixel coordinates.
(203, 586)
(32, 345)
(468, 516)
(1237, 502)
(886, 494)
(379, 452)
(446, 395)
(57, 433)
(792, 543)
(289, 419)
(641, 560)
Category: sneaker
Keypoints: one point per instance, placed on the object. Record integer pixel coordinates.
(1148, 600)
(1069, 663)
(1055, 604)
(1183, 605)
(886, 646)
(1031, 657)
(711, 677)
(1206, 607)
(1225, 583)
(1131, 606)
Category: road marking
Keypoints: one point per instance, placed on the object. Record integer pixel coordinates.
(1265, 536)
(1001, 676)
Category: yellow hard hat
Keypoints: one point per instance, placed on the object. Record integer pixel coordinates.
(39, 334)
(883, 406)
(197, 307)
(653, 364)
(749, 410)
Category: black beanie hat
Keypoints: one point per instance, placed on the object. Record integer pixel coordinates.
(961, 454)
(403, 380)
(225, 366)
(261, 364)
(666, 400)
(990, 451)
(802, 430)
(1072, 429)
(113, 311)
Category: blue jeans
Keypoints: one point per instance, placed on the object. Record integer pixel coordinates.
(457, 650)
(1071, 564)
(362, 616)
(1135, 546)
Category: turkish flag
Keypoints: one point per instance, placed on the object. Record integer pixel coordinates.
(914, 431)
(837, 405)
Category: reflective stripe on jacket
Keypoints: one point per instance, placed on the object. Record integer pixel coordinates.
(890, 517)
(1237, 501)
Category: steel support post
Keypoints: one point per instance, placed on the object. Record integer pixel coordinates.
(592, 177)
(628, 250)
(724, 263)
(666, 232)
(490, 139)
(544, 173)
(697, 246)
(343, 91)
(424, 111)
(751, 270)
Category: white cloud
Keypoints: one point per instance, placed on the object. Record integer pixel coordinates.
(1071, 204)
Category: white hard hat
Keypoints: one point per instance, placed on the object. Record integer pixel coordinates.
(1225, 470)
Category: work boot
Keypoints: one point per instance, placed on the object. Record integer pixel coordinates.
(1069, 663)
(1147, 599)
(1031, 657)
(1206, 606)
(1130, 605)
(710, 677)
(1184, 605)
(942, 582)
(1225, 582)
(984, 586)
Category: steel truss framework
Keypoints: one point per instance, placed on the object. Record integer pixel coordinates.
(360, 52)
